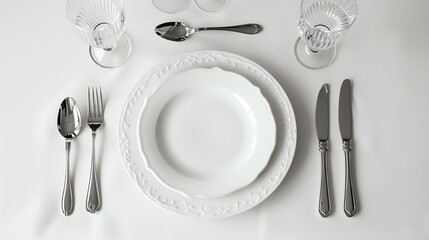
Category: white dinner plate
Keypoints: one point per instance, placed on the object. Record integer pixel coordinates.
(147, 177)
(205, 132)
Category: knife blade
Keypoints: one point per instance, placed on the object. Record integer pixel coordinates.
(322, 113)
(345, 111)
(345, 122)
(322, 127)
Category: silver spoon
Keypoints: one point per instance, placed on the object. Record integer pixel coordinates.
(179, 32)
(68, 124)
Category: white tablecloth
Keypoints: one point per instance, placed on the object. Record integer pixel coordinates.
(42, 60)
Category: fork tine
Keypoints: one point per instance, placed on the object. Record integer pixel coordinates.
(89, 103)
(95, 98)
(101, 103)
(98, 102)
(94, 106)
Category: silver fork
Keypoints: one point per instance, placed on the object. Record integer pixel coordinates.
(95, 120)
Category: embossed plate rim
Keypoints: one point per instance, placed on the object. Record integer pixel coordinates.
(240, 200)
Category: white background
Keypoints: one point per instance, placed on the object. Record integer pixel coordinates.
(386, 54)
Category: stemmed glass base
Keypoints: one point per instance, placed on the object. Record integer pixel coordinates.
(112, 57)
(170, 6)
(211, 5)
(312, 59)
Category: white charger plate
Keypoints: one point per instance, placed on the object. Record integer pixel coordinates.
(205, 132)
(239, 200)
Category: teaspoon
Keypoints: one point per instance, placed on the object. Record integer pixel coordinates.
(179, 31)
(68, 124)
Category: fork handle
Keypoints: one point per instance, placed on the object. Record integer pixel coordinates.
(93, 200)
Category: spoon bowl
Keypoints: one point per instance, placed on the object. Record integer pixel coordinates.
(69, 119)
(174, 31)
(69, 125)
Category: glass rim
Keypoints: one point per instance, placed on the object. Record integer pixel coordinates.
(73, 19)
(334, 31)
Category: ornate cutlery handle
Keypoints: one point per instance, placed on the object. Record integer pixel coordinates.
(349, 197)
(245, 28)
(93, 200)
(324, 198)
(67, 196)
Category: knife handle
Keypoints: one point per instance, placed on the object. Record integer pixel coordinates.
(324, 198)
(349, 196)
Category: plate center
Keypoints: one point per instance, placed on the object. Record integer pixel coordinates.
(204, 132)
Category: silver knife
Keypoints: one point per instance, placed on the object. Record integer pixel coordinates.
(345, 121)
(322, 126)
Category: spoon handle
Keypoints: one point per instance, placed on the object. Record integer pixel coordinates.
(93, 200)
(245, 28)
(67, 197)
